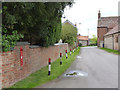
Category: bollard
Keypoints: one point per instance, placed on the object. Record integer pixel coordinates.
(66, 54)
(60, 58)
(49, 67)
(70, 52)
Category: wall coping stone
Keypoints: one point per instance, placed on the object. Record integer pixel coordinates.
(22, 43)
(60, 44)
(34, 46)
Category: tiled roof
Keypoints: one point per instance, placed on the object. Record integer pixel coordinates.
(108, 22)
(112, 31)
(82, 37)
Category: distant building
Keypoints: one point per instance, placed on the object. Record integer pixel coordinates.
(107, 32)
(68, 22)
(83, 40)
(74, 25)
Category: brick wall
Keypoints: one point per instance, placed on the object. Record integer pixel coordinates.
(34, 57)
(101, 31)
(0, 71)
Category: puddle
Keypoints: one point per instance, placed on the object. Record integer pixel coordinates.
(79, 57)
(76, 73)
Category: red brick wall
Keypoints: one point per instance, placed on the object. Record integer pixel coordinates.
(0, 71)
(33, 60)
(100, 34)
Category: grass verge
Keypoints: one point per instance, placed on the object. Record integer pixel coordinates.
(41, 76)
(111, 51)
(87, 46)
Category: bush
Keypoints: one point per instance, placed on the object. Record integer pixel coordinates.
(9, 41)
(80, 44)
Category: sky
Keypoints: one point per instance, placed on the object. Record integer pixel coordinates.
(85, 14)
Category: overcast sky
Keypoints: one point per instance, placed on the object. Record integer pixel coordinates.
(85, 14)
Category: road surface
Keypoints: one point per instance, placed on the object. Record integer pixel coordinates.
(96, 68)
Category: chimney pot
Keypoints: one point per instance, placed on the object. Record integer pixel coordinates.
(99, 14)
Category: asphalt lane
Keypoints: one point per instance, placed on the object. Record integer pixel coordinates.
(95, 69)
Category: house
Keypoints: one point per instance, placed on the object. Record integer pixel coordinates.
(68, 22)
(82, 40)
(111, 39)
(70, 31)
(104, 27)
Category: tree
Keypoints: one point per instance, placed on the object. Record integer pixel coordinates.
(9, 41)
(69, 33)
(40, 22)
(93, 40)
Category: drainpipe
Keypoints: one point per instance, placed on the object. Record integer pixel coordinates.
(113, 40)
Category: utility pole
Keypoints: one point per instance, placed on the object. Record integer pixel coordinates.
(88, 36)
(88, 32)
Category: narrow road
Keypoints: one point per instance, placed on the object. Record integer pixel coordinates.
(98, 68)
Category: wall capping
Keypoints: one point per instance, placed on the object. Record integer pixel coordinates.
(34, 46)
(22, 43)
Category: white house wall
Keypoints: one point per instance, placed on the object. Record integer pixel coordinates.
(84, 43)
(108, 42)
(115, 42)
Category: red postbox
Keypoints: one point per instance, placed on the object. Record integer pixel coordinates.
(21, 56)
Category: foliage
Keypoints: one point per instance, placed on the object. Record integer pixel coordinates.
(93, 40)
(80, 44)
(69, 33)
(9, 41)
(40, 22)
(41, 76)
(0, 31)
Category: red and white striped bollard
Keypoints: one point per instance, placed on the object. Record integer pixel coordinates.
(70, 52)
(66, 54)
(60, 58)
(49, 66)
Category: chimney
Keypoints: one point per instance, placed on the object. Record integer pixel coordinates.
(99, 14)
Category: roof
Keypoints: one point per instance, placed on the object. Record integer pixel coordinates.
(112, 31)
(108, 22)
(82, 37)
(67, 21)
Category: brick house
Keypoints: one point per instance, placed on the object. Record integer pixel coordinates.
(83, 40)
(105, 24)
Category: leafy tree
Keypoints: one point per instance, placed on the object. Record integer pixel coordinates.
(9, 41)
(93, 40)
(40, 22)
(69, 33)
